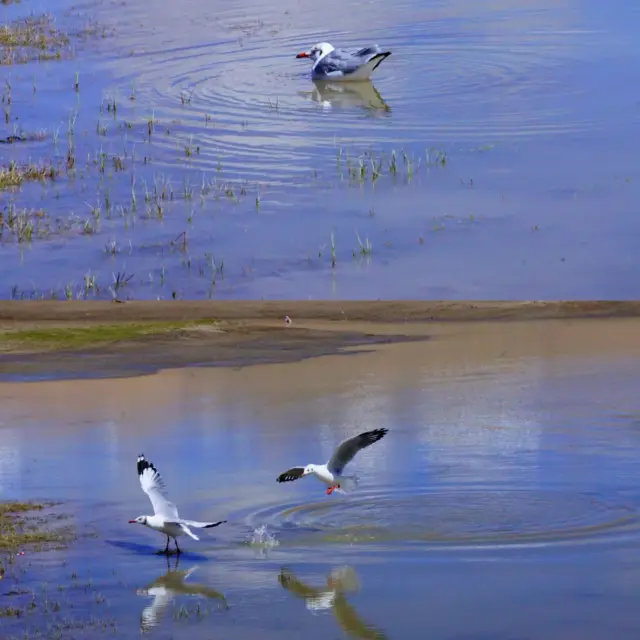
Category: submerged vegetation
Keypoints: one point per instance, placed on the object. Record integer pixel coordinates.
(32, 38)
(139, 198)
(33, 609)
(23, 524)
(13, 175)
(70, 603)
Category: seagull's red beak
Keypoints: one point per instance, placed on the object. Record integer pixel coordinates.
(132, 522)
(304, 54)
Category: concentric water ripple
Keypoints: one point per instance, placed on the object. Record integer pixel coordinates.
(252, 107)
(456, 518)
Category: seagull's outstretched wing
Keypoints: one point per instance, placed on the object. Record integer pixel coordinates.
(202, 525)
(290, 475)
(153, 485)
(348, 448)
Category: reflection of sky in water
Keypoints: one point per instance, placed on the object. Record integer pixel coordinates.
(526, 98)
(218, 434)
(489, 431)
(10, 463)
(461, 71)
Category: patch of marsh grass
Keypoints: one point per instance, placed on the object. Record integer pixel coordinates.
(20, 527)
(32, 38)
(14, 175)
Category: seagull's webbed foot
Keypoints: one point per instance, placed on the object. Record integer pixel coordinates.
(331, 489)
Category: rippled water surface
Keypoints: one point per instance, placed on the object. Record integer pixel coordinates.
(503, 503)
(226, 172)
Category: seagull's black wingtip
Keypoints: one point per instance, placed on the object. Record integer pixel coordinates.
(143, 464)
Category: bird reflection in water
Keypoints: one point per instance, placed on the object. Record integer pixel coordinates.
(347, 95)
(165, 588)
(340, 581)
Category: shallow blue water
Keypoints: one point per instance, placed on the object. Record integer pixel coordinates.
(534, 104)
(503, 503)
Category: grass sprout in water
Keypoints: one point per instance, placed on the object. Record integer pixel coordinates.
(103, 174)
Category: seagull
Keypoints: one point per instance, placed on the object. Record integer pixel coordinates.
(332, 597)
(339, 65)
(165, 588)
(331, 472)
(165, 518)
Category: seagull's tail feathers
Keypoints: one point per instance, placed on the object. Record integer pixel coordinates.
(202, 525)
(378, 58)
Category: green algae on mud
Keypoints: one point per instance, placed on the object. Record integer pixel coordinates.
(23, 524)
(82, 337)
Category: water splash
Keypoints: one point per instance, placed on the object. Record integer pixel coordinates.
(261, 537)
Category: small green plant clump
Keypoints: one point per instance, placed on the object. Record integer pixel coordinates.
(20, 527)
(33, 38)
(13, 175)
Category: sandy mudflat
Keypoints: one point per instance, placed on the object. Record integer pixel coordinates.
(244, 333)
(376, 311)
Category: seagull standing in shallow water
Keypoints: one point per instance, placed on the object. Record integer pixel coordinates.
(339, 65)
(165, 517)
(331, 472)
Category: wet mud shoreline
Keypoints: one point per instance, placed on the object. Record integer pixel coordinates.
(86, 339)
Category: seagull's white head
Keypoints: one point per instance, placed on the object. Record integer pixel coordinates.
(318, 51)
(139, 520)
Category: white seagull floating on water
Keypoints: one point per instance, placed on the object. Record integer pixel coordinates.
(165, 518)
(339, 65)
(331, 472)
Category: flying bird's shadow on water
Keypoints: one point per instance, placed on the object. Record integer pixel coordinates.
(167, 587)
(148, 550)
(332, 597)
(344, 95)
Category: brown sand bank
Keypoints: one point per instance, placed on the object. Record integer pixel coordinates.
(80, 339)
(17, 312)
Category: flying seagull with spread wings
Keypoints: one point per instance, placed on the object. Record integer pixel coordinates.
(165, 518)
(340, 65)
(331, 472)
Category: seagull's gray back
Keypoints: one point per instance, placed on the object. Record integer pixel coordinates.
(341, 60)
